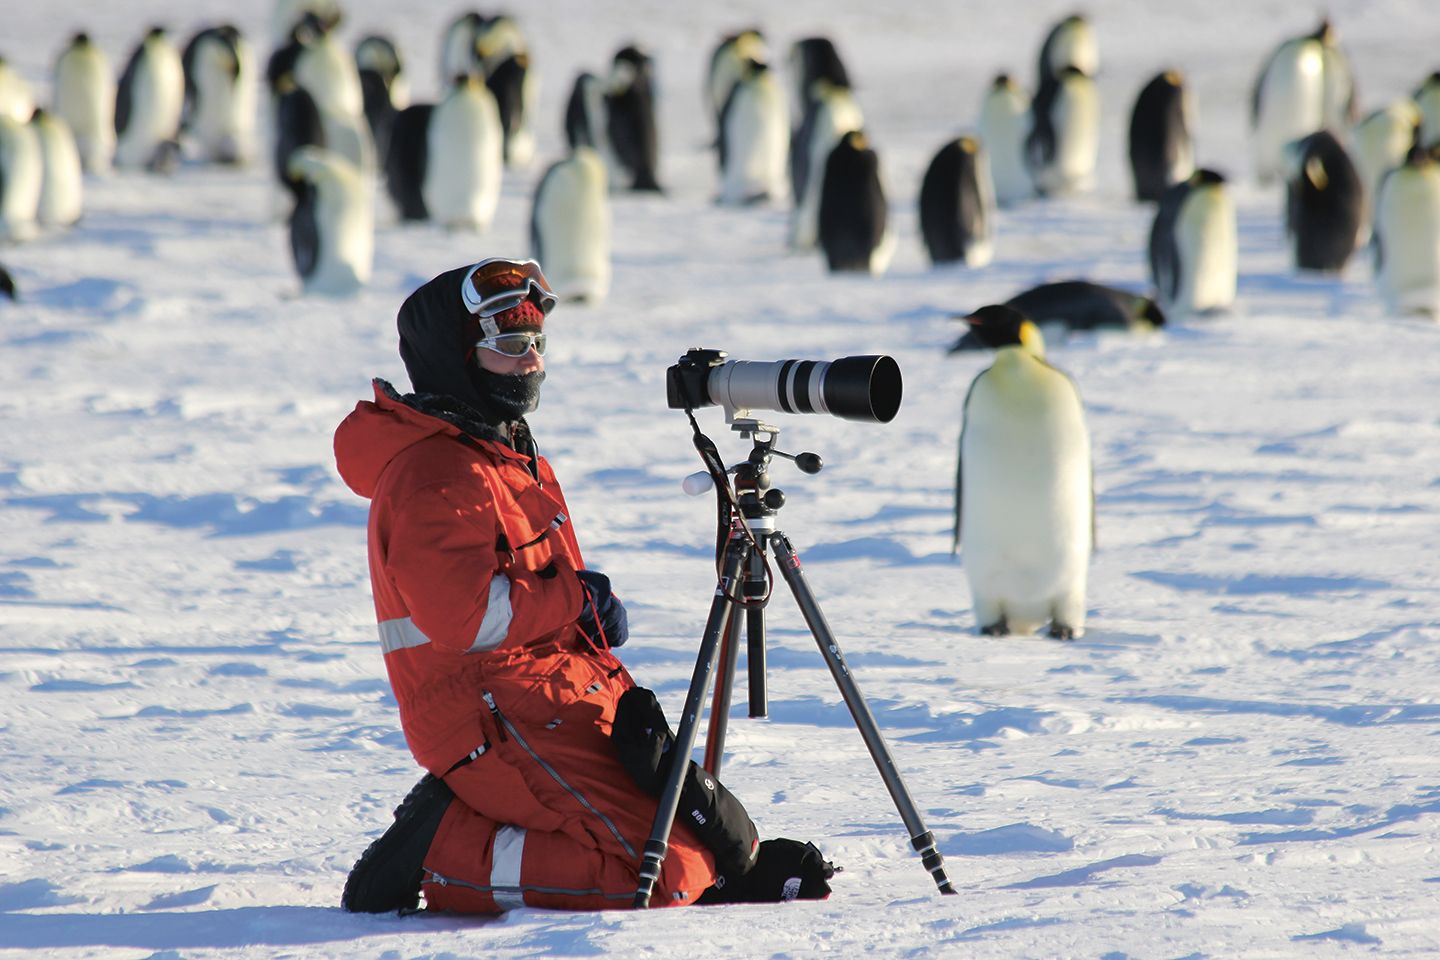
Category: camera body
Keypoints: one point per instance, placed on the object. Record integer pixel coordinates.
(864, 388)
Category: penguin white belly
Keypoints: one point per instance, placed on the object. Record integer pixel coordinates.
(572, 225)
(17, 100)
(62, 182)
(838, 115)
(224, 126)
(1206, 244)
(1292, 104)
(344, 222)
(1407, 226)
(981, 249)
(1378, 144)
(1004, 124)
(464, 160)
(84, 96)
(757, 141)
(1077, 135)
(1026, 501)
(157, 98)
(21, 175)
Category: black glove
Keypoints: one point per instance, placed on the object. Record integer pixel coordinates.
(786, 870)
(602, 615)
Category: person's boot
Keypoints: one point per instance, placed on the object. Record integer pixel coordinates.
(387, 875)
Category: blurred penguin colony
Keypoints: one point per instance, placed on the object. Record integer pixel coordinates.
(333, 119)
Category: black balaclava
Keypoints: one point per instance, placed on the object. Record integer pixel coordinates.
(437, 345)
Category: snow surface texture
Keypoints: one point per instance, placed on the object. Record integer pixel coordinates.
(1239, 759)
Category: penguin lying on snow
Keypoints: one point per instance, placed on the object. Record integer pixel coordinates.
(1024, 494)
(1073, 305)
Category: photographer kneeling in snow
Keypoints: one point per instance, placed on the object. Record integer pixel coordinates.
(545, 759)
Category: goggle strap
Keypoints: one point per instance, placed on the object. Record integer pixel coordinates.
(489, 326)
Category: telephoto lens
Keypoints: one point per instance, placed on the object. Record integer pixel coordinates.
(864, 388)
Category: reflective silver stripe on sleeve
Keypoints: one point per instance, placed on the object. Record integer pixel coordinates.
(498, 614)
(509, 851)
(399, 634)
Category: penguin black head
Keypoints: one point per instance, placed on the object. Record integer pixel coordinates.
(1206, 178)
(1151, 313)
(80, 39)
(995, 326)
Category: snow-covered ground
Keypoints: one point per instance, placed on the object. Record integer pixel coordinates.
(1240, 758)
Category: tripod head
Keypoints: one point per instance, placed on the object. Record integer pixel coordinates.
(752, 475)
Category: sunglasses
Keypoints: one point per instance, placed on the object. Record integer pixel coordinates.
(514, 344)
(496, 284)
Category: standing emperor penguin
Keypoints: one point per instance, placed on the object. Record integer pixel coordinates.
(1407, 235)
(332, 228)
(62, 181)
(17, 100)
(220, 95)
(1064, 139)
(1002, 128)
(854, 220)
(630, 129)
(1378, 144)
(810, 60)
(384, 89)
(318, 63)
(22, 172)
(1290, 97)
(570, 226)
(831, 113)
(1161, 150)
(1427, 98)
(84, 96)
(1024, 492)
(957, 208)
(754, 139)
(587, 123)
(1324, 203)
(1338, 105)
(149, 103)
(1194, 245)
(464, 157)
(728, 63)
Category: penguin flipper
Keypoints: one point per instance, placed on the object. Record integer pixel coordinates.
(304, 232)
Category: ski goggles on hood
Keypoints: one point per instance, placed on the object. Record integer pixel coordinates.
(497, 284)
(514, 344)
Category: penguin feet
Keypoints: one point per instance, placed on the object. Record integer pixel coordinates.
(997, 629)
(1062, 631)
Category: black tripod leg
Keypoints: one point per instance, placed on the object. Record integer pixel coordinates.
(721, 610)
(724, 686)
(920, 838)
(755, 640)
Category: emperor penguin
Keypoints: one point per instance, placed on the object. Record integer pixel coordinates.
(1378, 144)
(831, 112)
(1002, 128)
(1070, 43)
(855, 232)
(457, 46)
(1075, 306)
(1024, 490)
(511, 78)
(384, 88)
(1194, 245)
(1427, 98)
(17, 100)
(1407, 236)
(62, 180)
(332, 228)
(297, 124)
(631, 134)
(587, 123)
(754, 139)
(811, 60)
(957, 207)
(405, 161)
(570, 226)
(315, 61)
(286, 15)
(729, 62)
(1161, 149)
(464, 157)
(220, 95)
(1064, 138)
(1304, 84)
(22, 172)
(84, 96)
(149, 103)
(1324, 203)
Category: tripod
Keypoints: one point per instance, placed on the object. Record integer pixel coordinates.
(751, 509)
